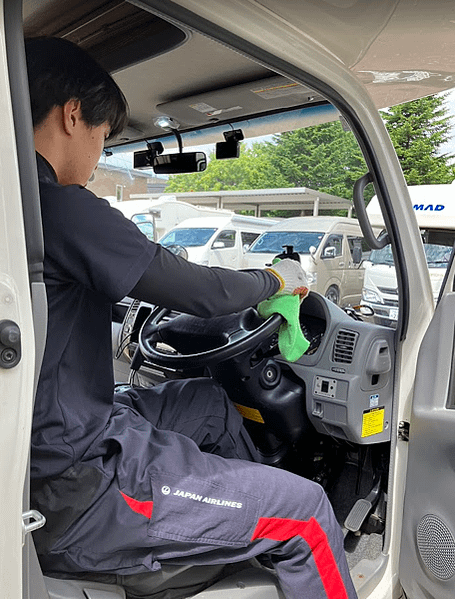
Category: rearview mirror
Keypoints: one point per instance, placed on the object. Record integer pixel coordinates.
(187, 162)
(169, 164)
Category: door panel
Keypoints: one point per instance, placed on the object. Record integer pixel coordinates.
(355, 272)
(227, 255)
(427, 560)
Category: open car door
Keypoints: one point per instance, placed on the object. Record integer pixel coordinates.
(427, 560)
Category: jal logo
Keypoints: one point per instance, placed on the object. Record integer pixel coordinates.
(430, 207)
(165, 490)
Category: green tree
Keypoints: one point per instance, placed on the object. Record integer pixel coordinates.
(323, 157)
(249, 171)
(418, 131)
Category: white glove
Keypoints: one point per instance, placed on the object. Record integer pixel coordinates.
(292, 278)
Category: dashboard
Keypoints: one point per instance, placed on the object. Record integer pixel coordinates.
(345, 376)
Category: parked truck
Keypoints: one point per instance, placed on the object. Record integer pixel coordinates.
(434, 206)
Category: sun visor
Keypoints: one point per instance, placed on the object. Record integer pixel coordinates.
(233, 103)
(117, 34)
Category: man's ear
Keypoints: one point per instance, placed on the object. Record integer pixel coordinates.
(71, 115)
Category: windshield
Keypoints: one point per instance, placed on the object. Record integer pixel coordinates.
(142, 218)
(382, 256)
(437, 256)
(273, 242)
(187, 237)
(147, 229)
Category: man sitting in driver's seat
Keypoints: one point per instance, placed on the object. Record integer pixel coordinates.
(146, 482)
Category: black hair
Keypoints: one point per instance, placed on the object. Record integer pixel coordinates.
(59, 71)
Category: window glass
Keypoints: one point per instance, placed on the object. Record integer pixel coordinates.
(272, 242)
(187, 237)
(142, 218)
(356, 248)
(146, 228)
(334, 241)
(248, 238)
(382, 256)
(227, 238)
(437, 256)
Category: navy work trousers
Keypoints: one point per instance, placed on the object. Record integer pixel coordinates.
(169, 496)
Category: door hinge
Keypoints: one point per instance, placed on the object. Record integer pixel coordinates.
(403, 430)
(37, 520)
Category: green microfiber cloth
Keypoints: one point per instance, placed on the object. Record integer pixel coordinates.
(291, 341)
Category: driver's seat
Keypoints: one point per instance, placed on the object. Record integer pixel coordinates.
(82, 589)
(249, 583)
(43, 587)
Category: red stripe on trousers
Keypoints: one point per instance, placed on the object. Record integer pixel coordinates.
(283, 529)
(140, 507)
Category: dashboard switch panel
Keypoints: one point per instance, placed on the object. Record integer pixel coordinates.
(325, 387)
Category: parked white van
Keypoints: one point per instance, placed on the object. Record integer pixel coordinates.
(330, 251)
(434, 206)
(216, 240)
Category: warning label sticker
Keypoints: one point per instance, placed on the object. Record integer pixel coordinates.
(250, 413)
(373, 422)
(202, 107)
(277, 91)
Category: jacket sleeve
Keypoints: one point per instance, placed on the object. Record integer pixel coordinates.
(173, 282)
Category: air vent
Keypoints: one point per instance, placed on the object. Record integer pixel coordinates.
(343, 348)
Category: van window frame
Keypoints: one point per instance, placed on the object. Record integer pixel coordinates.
(332, 241)
(231, 242)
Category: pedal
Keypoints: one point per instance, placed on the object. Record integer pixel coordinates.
(358, 514)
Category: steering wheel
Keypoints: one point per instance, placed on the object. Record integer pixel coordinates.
(216, 339)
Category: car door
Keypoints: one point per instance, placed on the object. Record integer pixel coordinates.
(354, 272)
(22, 305)
(331, 265)
(427, 558)
(224, 250)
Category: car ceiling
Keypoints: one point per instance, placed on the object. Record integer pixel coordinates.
(165, 66)
(167, 69)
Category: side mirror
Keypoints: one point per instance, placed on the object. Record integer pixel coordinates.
(312, 250)
(217, 245)
(329, 252)
(178, 250)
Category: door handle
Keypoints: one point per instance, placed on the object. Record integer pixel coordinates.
(37, 520)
